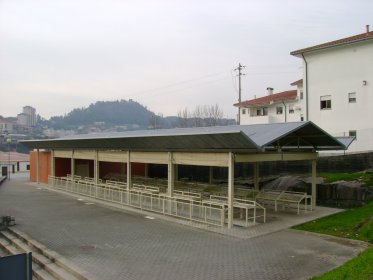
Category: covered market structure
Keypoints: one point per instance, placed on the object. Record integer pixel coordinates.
(80, 163)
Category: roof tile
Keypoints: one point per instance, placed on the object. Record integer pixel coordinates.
(281, 96)
(352, 39)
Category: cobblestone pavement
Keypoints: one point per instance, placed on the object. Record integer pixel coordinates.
(116, 244)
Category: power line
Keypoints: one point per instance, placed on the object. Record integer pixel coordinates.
(177, 84)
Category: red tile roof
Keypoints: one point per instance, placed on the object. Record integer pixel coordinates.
(348, 40)
(281, 96)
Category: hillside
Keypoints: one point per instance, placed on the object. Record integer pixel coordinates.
(123, 115)
(120, 112)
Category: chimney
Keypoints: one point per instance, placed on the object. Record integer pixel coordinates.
(269, 90)
(367, 28)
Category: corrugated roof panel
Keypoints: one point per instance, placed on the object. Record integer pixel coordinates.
(225, 138)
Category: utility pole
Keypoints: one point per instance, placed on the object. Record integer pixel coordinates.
(239, 69)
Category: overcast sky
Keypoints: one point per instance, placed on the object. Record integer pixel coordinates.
(56, 55)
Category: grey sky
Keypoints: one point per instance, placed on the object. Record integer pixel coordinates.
(59, 55)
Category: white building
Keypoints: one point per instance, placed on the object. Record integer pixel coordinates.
(27, 117)
(13, 163)
(338, 87)
(274, 107)
(6, 127)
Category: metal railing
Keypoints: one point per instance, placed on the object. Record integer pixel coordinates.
(142, 199)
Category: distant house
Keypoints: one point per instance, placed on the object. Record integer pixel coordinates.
(338, 87)
(14, 162)
(278, 107)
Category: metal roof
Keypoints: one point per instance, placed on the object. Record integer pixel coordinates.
(243, 138)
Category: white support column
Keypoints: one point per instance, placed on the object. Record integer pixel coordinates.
(129, 171)
(171, 175)
(37, 165)
(256, 176)
(72, 164)
(211, 174)
(314, 190)
(230, 189)
(53, 164)
(96, 166)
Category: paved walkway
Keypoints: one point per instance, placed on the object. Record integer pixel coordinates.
(113, 243)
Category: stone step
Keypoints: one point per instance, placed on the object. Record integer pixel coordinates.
(8, 248)
(51, 255)
(38, 257)
(39, 273)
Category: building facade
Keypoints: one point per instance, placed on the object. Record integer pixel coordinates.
(12, 162)
(27, 117)
(338, 87)
(273, 108)
(336, 92)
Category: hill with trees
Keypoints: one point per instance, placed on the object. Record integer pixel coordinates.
(120, 112)
(122, 115)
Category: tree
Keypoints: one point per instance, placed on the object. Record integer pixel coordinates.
(202, 115)
(155, 121)
(183, 118)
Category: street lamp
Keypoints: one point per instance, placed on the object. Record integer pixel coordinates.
(9, 141)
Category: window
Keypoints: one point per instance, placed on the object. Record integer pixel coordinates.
(28, 167)
(352, 133)
(291, 109)
(325, 102)
(262, 111)
(265, 111)
(279, 110)
(243, 111)
(301, 94)
(352, 97)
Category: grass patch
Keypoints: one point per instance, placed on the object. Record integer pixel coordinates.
(359, 268)
(357, 176)
(354, 223)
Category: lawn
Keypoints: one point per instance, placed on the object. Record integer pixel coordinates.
(359, 268)
(354, 224)
(367, 178)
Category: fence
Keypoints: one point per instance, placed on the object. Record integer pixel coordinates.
(142, 199)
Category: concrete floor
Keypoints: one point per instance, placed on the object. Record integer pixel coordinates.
(111, 243)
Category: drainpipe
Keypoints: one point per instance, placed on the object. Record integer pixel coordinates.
(306, 76)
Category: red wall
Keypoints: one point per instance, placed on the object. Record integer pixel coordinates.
(62, 166)
(106, 168)
(44, 166)
(138, 168)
